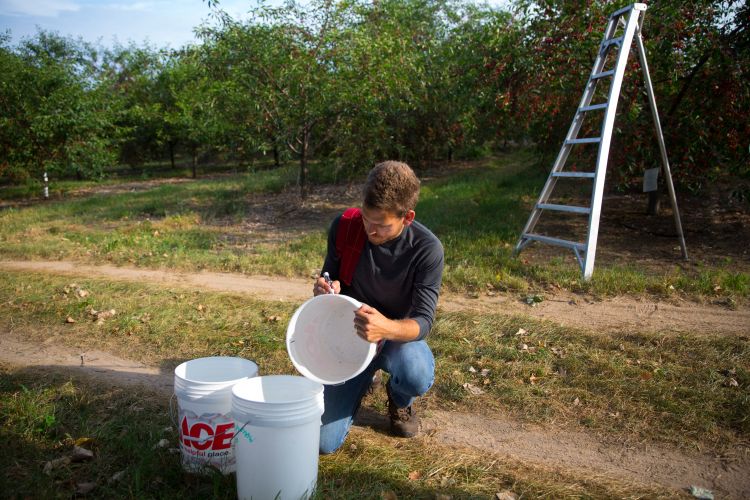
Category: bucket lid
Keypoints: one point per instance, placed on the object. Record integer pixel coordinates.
(322, 342)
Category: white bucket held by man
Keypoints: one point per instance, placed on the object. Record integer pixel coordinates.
(322, 342)
(203, 388)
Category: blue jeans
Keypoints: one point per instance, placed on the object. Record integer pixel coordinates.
(412, 369)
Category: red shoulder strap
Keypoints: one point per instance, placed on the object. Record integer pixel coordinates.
(350, 240)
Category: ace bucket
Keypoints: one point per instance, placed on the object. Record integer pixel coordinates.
(203, 388)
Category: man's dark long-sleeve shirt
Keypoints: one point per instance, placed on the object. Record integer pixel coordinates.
(400, 278)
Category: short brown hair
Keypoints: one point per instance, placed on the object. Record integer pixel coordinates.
(392, 186)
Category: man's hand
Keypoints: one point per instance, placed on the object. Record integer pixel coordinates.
(374, 327)
(321, 287)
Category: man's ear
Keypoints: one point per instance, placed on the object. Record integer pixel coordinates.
(409, 217)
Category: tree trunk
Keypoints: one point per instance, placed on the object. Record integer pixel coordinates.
(195, 162)
(654, 202)
(276, 162)
(303, 165)
(171, 153)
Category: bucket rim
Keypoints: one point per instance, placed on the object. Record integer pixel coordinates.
(313, 395)
(218, 382)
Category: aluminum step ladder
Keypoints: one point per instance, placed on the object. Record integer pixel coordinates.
(630, 19)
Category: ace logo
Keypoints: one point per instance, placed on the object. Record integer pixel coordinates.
(203, 436)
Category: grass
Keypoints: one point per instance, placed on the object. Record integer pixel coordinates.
(41, 420)
(649, 386)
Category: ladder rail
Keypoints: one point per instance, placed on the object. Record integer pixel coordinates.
(662, 145)
(606, 139)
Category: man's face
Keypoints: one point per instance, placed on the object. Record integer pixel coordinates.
(382, 226)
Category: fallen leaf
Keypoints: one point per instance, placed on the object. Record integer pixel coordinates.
(485, 372)
(523, 347)
(353, 448)
(473, 389)
(102, 315)
(56, 463)
(388, 495)
(274, 319)
(472, 369)
(85, 488)
(647, 375)
(83, 293)
(70, 320)
(576, 402)
(80, 454)
(732, 382)
(521, 331)
(701, 493)
(117, 476)
(415, 475)
(163, 443)
(200, 307)
(83, 441)
(532, 379)
(506, 495)
(446, 482)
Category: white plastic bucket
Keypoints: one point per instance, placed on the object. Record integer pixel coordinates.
(322, 343)
(203, 388)
(277, 425)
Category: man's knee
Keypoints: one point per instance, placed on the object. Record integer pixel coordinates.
(332, 436)
(414, 375)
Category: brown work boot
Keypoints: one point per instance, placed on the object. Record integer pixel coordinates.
(404, 421)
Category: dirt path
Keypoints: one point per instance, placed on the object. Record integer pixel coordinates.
(549, 447)
(614, 314)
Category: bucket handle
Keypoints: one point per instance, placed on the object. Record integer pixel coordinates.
(174, 411)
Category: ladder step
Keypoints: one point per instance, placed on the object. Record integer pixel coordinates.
(625, 10)
(564, 208)
(585, 140)
(593, 107)
(603, 74)
(620, 12)
(582, 175)
(554, 241)
(612, 41)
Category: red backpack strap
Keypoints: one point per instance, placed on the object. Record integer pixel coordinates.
(350, 240)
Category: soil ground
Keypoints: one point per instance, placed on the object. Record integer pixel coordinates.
(559, 449)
